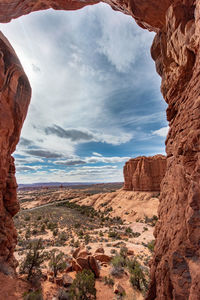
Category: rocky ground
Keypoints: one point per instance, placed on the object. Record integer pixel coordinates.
(110, 234)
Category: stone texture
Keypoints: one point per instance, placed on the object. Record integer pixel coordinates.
(103, 257)
(175, 272)
(175, 267)
(15, 93)
(144, 173)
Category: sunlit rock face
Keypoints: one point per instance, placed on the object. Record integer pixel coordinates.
(175, 272)
(144, 173)
(15, 93)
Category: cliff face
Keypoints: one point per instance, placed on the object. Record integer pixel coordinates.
(15, 95)
(144, 173)
(175, 272)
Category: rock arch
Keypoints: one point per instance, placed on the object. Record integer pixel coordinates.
(175, 272)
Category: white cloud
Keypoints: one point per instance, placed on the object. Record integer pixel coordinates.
(161, 132)
(96, 154)
(91, 160)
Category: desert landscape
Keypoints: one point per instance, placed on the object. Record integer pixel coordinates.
(103, 229)
(78, 226)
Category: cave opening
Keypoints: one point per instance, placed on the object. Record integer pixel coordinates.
(175, 50)
(95, 95)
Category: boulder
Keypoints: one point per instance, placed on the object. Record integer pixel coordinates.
(67, 280)
(103, 258)
(100, 250)
(94, 265)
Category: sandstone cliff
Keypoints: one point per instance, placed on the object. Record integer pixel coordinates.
(175, 272)
(15, 95)
(144, 173)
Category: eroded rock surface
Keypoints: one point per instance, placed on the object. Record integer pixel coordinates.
(144, 173)
(175, 272)
(15, 95)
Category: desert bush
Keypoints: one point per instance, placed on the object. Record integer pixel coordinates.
(108, 280)
(28, 233)
(52, 226)
(83, 286)
(87, 239)
(123, 252)
(117, 271)
(33, 295)
(55, 232)
(150, 245)
(63, 294)
(43, 227)
(34, 231)
(33, 260)
(113, 234)
(137, 278)
(118, 261)
(57, 262)
(128, 230)
(27, 218)
(136, 234)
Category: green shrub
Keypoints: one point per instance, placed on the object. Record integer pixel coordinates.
(118, 261)
(108, 280)
(35, 295)
(151, 245)
(83, 286)
(43, 227)
(128, 230)
(57, 262)
(123, 252)
(113, 234)
(33, 260)
(137, 278)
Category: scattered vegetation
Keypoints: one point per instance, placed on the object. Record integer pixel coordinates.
(83, 286)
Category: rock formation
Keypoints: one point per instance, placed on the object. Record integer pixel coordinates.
(144, 173)
(15, 95)
(175, 272)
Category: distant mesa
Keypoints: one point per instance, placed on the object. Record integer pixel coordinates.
(144, 173)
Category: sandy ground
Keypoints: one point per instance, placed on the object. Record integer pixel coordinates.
(128, 205)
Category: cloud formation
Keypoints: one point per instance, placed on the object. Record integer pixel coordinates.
(96, 99)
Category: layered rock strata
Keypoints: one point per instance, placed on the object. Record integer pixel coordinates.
(175, 272)
(144, 173)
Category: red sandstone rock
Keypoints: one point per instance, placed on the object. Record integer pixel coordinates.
(15, 93)
(175, 272)
(94, 265)
(84, 254)
(83, 262)
(75, 266)
(99, 250)
(144, 173)
(103, 258)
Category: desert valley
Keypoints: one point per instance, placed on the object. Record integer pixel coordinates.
(106, 229)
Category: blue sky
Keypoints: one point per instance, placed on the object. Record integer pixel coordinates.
(96, 96)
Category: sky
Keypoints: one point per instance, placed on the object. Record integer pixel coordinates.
(96, 98)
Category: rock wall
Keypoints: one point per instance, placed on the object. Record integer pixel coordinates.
(15, 93)
(175, 272)
(144, 173)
